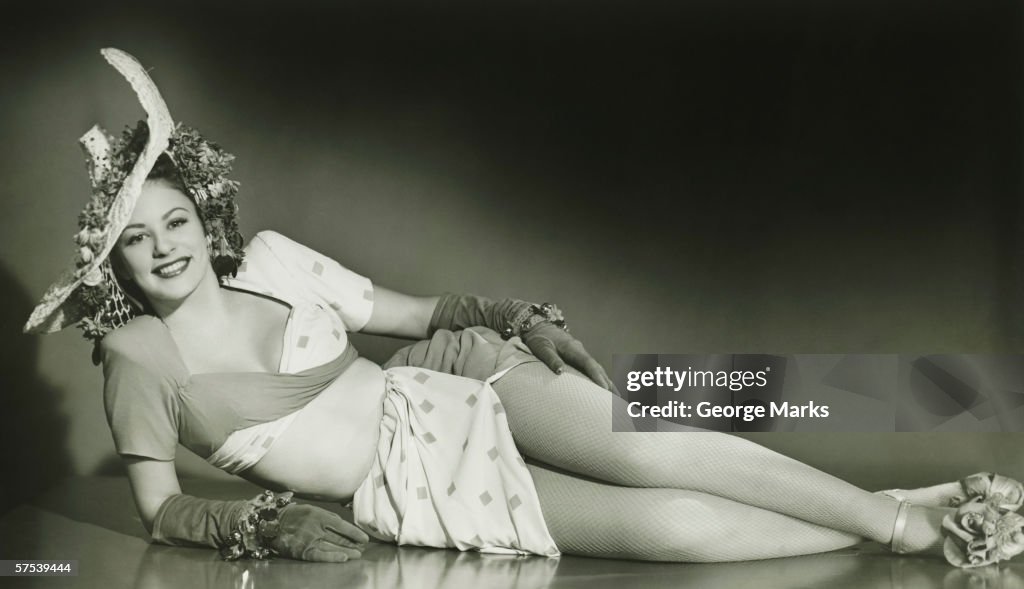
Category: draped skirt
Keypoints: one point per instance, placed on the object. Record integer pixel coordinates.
(447, 472)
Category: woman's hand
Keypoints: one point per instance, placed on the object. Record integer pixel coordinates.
(556, 348)
(310, 533)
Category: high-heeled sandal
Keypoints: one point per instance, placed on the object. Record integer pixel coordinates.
(985, 528)
(986, 486)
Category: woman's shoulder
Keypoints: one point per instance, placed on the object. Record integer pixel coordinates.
(143, 342)
(268, 248)
(270, 252)
(268, 238)
(140, 329)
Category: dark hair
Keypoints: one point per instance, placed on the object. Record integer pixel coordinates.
(164, 169)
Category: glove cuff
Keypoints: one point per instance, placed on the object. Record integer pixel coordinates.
(237, 528)
(509, 317)
(533, 316)
(256, 528)
(183, 520)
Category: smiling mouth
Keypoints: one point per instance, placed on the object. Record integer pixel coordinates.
(173, 269)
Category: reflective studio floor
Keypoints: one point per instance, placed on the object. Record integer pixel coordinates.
(93, 521)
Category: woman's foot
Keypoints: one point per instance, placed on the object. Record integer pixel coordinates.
(1006, 492)
(972, 535)
(934, 496)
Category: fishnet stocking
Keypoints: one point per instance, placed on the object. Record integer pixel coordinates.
(566, 421)
(596, 519)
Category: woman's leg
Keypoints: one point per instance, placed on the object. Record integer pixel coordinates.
(566, 421)
(596, 519)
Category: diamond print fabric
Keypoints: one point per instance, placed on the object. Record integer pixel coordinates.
(295, 271)
(311, 338)
(463, 483)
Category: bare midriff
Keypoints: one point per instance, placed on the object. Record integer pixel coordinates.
(327, 450)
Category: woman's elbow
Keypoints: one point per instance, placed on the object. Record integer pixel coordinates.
(149, 508)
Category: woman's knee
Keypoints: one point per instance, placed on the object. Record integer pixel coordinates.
(642, 460)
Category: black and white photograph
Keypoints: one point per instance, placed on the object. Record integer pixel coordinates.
(512, 294)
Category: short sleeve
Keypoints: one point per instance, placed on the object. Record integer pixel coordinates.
(318, 277)
(141, 403)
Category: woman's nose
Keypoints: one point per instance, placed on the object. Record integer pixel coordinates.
(161, 246)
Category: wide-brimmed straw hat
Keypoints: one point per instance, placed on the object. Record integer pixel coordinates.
(88, 293)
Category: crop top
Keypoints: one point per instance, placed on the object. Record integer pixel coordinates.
(151, 400)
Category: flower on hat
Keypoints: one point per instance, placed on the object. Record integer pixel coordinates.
(93, 278)
(94, 329)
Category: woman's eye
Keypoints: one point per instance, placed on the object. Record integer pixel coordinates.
(134, 239)
(177, 223)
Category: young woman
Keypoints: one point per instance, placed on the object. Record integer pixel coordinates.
(239, 352)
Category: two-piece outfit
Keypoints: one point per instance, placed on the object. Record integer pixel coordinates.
(446, 472)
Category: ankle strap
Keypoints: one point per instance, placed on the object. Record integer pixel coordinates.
(899, 526)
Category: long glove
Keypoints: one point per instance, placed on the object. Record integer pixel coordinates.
(306, 532)
(550, 343)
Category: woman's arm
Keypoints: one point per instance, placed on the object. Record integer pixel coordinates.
(174, 518)
(153, 482)
(376, 310)
(400, 315)
(304, 532)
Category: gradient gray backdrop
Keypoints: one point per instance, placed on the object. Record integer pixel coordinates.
(730, 176)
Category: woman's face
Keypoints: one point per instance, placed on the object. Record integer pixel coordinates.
(163, 249)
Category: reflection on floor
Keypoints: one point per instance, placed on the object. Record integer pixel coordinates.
(93, 520)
